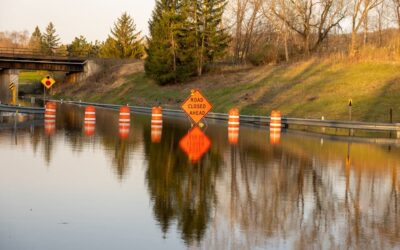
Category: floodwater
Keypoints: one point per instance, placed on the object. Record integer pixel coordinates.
(73, 188)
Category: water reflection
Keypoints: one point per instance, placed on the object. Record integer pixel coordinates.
(298, 193)
(180, 191)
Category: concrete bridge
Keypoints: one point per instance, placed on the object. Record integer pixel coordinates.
(13, 60)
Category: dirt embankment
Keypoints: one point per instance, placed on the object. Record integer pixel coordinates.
(311, 88)
(110, 75)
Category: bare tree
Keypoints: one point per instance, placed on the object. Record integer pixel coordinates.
(246, 14)
(359, 16)
(380, 12)
(240, 12)
(280, 23)
(309, 18)
(397, 11)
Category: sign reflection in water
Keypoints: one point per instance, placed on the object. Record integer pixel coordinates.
(195, 144)
(299, 194)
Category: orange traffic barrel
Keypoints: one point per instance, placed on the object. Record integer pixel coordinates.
(275, 127)
(156, 124)
(90, 120)
(233, 126)
(276, 121)
(124, 122)
(50, 118)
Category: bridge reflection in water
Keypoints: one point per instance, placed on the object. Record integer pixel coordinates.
(301, 193)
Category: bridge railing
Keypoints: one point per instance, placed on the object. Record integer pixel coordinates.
(58, 52)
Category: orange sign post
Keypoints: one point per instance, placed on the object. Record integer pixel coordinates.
(195, 144)
(196, 106)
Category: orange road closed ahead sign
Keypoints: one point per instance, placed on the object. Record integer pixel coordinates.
(196, 106)
(48, 82)
(195, 144)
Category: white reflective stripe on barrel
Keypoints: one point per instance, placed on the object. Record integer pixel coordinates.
(275, 129)
(157, 115)
(50, 110)
(234, 117)
(125, 113)
(233, 123)
(124, 120)
(90, 113)
(233, 129)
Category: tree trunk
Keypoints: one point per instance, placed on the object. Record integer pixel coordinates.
(286, 46)
(285, 39)
(353, 43)
(398, 15)
(365, 40)
(307, 44)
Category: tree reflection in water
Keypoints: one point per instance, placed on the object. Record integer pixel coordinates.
(179, 190)
(299, 194)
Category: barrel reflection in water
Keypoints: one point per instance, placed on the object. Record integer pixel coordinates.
(299, 195)
(124, 122)
(233, 126)
(275, 127)
(90, 120)
(156, 124)
(50, 118)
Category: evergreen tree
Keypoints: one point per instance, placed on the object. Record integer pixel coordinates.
(35, 42)
(162, 59)
(185, 36)
(107, 48)
(212, 38)
(124, 41)
(79, 47)
(50, 40)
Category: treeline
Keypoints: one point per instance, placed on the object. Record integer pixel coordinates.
(274, 30)
(123, 42)
(187, 37)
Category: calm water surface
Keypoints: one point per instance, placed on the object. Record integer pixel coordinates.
(72, 191)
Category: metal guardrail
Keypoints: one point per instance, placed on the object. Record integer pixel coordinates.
(21, 109)
(21, 125)
(263, 120)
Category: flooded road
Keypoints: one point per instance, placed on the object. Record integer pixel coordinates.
(76, 188)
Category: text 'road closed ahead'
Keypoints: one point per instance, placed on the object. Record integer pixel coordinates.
(196, 106)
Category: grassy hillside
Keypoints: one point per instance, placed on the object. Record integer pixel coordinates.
(310, 89)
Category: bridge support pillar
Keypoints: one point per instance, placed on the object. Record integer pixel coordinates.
(7, 76)
(75, 77)
(91, 67)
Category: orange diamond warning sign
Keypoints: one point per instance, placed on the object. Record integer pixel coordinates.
(195, 144)
(196, 106)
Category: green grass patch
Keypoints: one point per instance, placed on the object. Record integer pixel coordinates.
(309, 89)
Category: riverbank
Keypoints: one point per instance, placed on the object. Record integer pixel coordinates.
(307, 89)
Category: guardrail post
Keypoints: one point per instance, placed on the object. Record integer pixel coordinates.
(398, 131)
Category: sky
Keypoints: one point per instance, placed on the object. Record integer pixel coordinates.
(90, 18)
